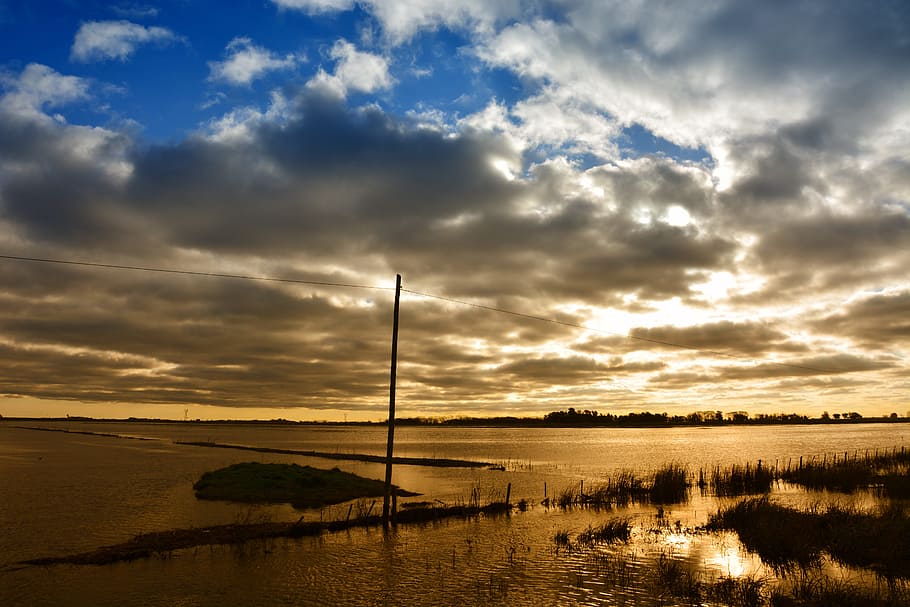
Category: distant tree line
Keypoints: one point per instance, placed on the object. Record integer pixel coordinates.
(574, 418)
(569, 418)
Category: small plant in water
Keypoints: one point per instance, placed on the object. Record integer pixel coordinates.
(614, 530)
(670, 485)
(561, 538)
(566, 498)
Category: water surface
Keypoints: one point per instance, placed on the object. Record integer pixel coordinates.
(66, 493)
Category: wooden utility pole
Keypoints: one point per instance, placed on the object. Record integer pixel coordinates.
(388, 457)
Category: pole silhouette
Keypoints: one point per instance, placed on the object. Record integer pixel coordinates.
(388, 457)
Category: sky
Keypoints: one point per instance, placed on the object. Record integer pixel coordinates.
(708, 203)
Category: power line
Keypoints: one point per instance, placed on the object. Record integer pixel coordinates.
(412, 292)
(605, 332)
(194, 273)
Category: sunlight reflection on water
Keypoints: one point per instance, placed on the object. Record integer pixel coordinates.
(68, 493)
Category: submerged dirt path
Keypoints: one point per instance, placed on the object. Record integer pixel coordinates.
(163, 542)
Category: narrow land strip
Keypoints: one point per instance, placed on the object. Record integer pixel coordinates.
(162, 542)
(436, 462)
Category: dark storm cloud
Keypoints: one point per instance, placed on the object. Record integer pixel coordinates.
(554, 370)
(830, 252)
(878, 322)
(727, 337)
(832, 242)
(773, 174)
(736, 338)
(330, 181)
(811, 366)
(190, 340)
(656, 183)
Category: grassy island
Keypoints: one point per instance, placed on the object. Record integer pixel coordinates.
(300, 486)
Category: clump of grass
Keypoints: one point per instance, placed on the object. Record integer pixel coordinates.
(670, 485)
(612, 531)
(742, 591)
(845, 477)
(784, 537)
(888, 471)
(566, 498)
(672, 578)
(624, 488)
(780, 536)
(561, 539)
(740, 480)
(666, 486)
(822, 591)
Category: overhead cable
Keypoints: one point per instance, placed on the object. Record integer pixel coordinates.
(195, 273)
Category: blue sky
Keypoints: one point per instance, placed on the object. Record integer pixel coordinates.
(730, 177)
(166, 86)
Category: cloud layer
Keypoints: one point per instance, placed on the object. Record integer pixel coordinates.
(757, 260)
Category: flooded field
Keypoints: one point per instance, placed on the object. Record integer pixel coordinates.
(69, 493)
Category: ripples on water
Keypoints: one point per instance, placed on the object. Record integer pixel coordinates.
(66, 493)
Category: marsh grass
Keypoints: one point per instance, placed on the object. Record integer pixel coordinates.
(784, 537)
(673, 578)
(815, 590)
(566, 498)
(738, 480)
(668, 485)
(742, 591)
(612, 531)
(887, 472)
(845, 477)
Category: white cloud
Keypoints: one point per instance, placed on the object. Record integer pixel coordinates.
(327, 84)
(360, 71)
(246, 62)
(698, 77)
(551, 120)
(38, 87)
(354, 71)
(401, 19)
(239, 124)
(101, 40)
